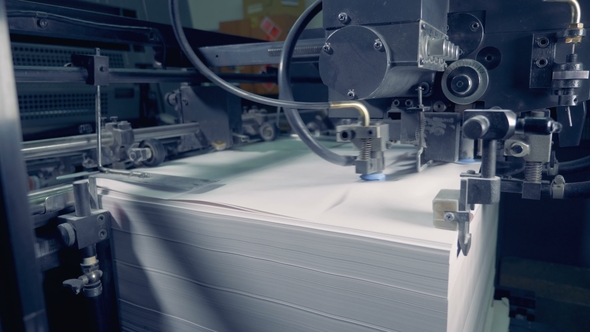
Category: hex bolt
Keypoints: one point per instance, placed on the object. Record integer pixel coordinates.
(516, 148)
(519, 149)
(378, 45)
(327, 48)
(449, 216)
(42, 23)
(343, 18)
(351, 94)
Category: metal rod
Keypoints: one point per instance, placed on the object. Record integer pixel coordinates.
(39, 196)
(64, 146)
(488, 159)
(61, 146)
(82, 198)
(98, 128)
(34, 74)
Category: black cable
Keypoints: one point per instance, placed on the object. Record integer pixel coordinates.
(577, 190)
(573, 166)
(286, 93)
(203, 69)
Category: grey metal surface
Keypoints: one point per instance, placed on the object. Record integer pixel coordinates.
(217, 111)
(442, 136)
(259, 53)
(22, 306)
(432, 12)
(355, 69)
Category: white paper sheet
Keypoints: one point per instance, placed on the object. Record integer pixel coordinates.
(295, 232)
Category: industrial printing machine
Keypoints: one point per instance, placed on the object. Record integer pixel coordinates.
(100, 91)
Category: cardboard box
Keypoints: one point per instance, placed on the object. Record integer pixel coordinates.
(269, 28)
(238, 28)
(261, 8)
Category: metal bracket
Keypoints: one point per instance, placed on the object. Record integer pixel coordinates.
(462, 218)
(96, 65)
(558, 187)
(82, 232)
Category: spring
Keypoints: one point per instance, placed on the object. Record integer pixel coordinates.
(366, 149)
(420, 133)
(533, 172)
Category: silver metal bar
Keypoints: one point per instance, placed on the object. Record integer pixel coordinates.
(64, 146)
(22, 295)
(307, 50)
(82, 198)
(98, 124)
(61, 146)
(39, 196)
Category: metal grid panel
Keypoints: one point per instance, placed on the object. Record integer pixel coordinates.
(64, 105)
(55, 56)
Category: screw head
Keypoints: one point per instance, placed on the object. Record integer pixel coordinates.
(517, 148)
(102, 234)
(423, 25)
(421, 61)
(343, 18)
(327, 48)
(351, 94)
(449, 216)
(378, 45)
(474, 26)
(42, 23)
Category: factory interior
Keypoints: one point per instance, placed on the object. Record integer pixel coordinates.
(294, 165)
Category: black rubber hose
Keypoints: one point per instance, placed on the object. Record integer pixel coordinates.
(573, 166)
(203, 69)
(577, 190)
(286, 93)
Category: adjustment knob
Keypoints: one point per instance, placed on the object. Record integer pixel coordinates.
(68, 235)
(476, 127)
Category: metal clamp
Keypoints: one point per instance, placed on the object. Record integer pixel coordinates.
(558, 187)
(96, 65)
(462, 218)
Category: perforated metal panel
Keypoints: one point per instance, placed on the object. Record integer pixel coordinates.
(48, 108)
(54, 106)
(56, 56)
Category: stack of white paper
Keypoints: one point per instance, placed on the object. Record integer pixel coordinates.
(292, 243)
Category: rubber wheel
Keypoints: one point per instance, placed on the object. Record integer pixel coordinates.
(268, 131)
(158, 152)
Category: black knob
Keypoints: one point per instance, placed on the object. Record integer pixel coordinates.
(68, 235)
(476, 127)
